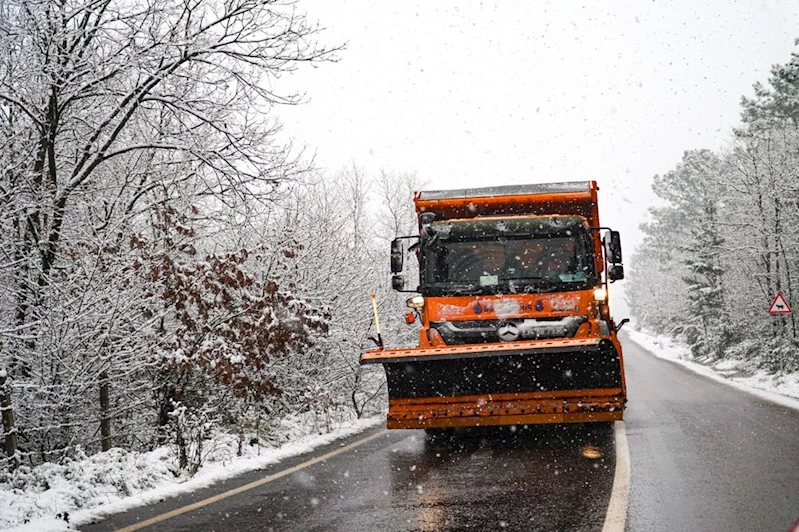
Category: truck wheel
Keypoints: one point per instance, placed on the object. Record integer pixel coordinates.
(439, 433)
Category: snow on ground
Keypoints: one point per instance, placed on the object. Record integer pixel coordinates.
(117, 480)
(780, 389)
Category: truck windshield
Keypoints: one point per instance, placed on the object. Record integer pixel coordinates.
(526, 255)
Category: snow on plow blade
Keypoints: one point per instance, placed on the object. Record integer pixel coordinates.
(554, 381)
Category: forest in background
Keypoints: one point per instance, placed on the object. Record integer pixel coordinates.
(167, 266)
(725, 239)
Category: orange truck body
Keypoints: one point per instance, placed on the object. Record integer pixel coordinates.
(509, 347)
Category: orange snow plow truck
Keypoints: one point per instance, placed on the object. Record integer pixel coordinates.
(515, 323)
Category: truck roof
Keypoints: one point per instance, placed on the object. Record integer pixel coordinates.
(507, 190)
(571, 198)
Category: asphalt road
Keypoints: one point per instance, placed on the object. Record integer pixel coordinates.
(533, 479)
(704, 456)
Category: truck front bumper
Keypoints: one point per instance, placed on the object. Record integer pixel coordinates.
(506, 409)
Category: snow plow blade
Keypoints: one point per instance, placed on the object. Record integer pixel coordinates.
(553, 381)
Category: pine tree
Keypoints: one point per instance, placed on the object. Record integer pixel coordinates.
(685, 237)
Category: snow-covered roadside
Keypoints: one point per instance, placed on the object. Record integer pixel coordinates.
(117, 480)
(780, 389)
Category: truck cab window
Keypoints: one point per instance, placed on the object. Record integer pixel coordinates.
(520, 257)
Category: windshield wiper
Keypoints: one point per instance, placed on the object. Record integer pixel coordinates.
(541, 284)
(468, 289)
(547, 280)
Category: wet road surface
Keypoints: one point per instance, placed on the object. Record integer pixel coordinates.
(541, 478)
(706, 456)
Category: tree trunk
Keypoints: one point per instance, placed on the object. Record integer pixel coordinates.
(8, 421)
(105, 420)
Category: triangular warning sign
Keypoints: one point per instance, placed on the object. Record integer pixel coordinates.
(779, 305)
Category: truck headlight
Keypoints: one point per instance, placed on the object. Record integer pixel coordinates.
(600, 294)
(415, 302)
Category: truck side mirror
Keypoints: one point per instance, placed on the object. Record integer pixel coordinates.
(397, 256)
(612, 241)
(398, 282)
(615, 272)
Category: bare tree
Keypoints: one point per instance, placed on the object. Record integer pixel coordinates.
(110, 112)
(92, 86)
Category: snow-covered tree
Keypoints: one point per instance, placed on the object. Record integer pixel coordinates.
(728, 238)
(113, 112)
(684, 243)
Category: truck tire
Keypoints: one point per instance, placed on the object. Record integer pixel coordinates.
(438, 434)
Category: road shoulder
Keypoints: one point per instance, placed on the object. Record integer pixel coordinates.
(784, 393)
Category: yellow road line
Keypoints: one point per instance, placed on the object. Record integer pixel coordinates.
(246, 487)
(620, 494)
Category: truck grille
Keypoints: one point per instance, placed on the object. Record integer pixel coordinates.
(487, 331)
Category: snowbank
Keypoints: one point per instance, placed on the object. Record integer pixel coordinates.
(781, 389)
(117, 480)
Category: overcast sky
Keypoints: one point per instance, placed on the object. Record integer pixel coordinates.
(491, 93)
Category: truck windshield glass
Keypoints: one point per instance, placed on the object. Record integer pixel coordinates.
(525, 256)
